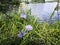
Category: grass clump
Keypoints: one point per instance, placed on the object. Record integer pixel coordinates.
(36, 34)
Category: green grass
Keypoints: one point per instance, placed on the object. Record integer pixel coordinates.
(42, 33)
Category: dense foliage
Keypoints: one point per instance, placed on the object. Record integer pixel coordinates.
(5, 4)
(38, 1)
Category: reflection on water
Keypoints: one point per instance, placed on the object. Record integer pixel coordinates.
(43, 10)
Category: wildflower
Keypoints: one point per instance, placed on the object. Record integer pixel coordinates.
(28, 27)
(23, 16)
(21, 34)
